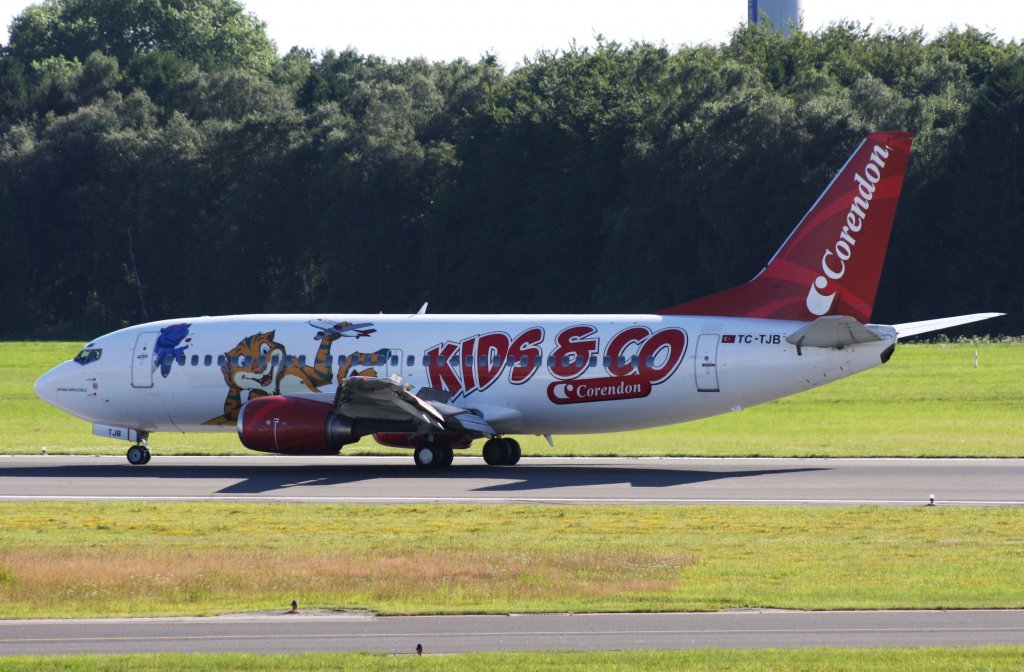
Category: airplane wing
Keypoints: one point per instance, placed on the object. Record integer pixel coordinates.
(388, 400)
(923, 327)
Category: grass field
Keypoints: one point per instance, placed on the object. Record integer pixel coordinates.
(83, 559)
(928, 401)
(986, 659)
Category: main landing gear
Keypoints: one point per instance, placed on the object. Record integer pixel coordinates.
(502, 452)
(139, 454)
(434, 455)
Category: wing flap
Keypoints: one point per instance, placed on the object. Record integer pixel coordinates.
(388, 400)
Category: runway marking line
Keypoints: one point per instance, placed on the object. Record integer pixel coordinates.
(496, 500)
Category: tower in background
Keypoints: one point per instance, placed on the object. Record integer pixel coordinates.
(783, 13)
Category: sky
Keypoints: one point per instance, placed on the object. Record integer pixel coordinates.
(444, 30)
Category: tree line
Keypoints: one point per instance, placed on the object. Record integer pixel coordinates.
(160, 159)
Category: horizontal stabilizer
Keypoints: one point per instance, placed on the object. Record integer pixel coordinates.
(925, 326)
(832, 331)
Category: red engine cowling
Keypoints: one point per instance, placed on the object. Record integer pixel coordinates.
(293, 426)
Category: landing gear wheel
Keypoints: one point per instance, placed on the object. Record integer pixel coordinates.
(138, 455)
(514, 452)
(149, 455)
(433, 455)
(502, 452)
(494, 452)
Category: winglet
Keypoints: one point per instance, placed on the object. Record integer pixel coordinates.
(831, 263)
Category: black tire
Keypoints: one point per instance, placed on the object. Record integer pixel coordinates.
(149, 456)
(447, 456)
(136, 455)
(495, 452)
(427, 456)
(514, 452)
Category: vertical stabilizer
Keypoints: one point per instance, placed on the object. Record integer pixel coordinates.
(832, 261)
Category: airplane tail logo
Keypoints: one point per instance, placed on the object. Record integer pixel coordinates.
(831, 263)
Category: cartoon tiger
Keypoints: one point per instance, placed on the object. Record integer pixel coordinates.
(261, 366)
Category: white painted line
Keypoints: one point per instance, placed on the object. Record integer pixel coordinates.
(347, 499)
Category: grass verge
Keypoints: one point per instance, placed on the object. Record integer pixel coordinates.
(985, 659)
(64, 559)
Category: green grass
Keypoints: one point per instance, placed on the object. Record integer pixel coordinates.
(929, 401)
(984, 659)
(78, 559)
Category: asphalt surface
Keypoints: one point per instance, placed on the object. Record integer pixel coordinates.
(909, 482)
(534, 632)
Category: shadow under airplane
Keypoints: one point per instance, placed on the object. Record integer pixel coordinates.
(279, 479)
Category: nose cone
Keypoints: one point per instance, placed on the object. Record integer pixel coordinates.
(65, 387)
(46, 385)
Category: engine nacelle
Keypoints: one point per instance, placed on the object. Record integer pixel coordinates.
(293, 426)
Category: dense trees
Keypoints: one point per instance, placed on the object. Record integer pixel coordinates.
(159, 159)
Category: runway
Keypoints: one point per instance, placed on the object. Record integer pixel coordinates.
(533, 632)
(889, 482)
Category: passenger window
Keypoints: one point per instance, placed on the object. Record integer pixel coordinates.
(208, 360)
(410, 360)
(288, 359)
(649, 361)
(275, 360)
(195, 360)
(607, 361)
(302, 360)
(593, 361)
(222, 360)
(394, 360)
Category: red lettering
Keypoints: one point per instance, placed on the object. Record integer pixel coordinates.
(616, 350)
(526, 344)
(491, 350)
(465, 360)
(439, 368)
(674, 340)
(572, 351)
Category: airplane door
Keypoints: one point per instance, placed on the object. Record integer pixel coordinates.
(394, 364)
(142, 359)
(706, 362)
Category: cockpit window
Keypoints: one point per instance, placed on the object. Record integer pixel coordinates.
(88, 355)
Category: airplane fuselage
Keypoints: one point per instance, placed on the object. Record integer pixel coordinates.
(532, 374)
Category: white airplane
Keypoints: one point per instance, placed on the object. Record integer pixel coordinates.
(435, 383)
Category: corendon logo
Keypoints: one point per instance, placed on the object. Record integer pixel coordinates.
(635, 358)
(833, 261)
(477, 362)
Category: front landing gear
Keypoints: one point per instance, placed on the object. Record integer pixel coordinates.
(139, 454)
(502, 452)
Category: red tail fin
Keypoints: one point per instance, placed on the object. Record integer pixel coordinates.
(831, 263)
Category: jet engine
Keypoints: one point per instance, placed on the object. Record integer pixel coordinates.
(293, 426)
